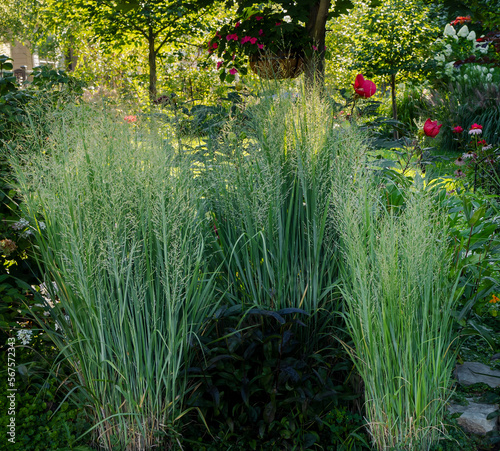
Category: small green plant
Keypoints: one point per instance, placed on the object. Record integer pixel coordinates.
(44, 421)
(474, 225)
(264, 387)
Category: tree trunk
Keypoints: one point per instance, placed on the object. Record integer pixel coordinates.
(316, 27)
(394, 105)
(152, 65)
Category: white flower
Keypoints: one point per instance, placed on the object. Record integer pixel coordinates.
(475, 131)
(42, 225)
(489, 77)
(448, 50)
(21, 224)
(24, 336)
(26, 233)
(449, 30)
(448, 68)
(439, 57)
(467, 155)
(471, 36)
(463, 32)
(488, 147)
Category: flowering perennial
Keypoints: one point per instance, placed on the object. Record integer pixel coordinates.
(364, 88)
(431, 128)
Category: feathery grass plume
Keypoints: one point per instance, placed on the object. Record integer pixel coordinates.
(271, 199)
(124, 242)
(398, 310)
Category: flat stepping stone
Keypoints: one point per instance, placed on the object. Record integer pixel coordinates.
(473, 418)
(473, 373)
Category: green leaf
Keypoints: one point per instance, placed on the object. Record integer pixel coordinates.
(478, 214)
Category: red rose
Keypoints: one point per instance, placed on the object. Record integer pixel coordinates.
(364, 88)
(458, 129)
(431, 128)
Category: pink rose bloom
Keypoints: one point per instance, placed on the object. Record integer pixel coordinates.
(253, 40)
(364, 88)
(237, 25)
(233, 71)
(219, 64)
(261, 32)
(458, 129)
(431, 128)
(261, 46)
(245, 39)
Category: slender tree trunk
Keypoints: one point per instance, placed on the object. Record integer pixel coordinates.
(316, 27)
(152, 65)
(394, 105)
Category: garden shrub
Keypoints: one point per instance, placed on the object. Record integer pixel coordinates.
(258, 385)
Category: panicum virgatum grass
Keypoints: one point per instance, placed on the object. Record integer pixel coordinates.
(124, 242)
(399, 302)
(271, 199)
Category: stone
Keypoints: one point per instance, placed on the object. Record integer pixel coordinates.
(473, 418)
(473, 373)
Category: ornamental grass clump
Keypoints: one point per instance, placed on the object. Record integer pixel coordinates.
(124, 244)
(270, 201)
(398, 310)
